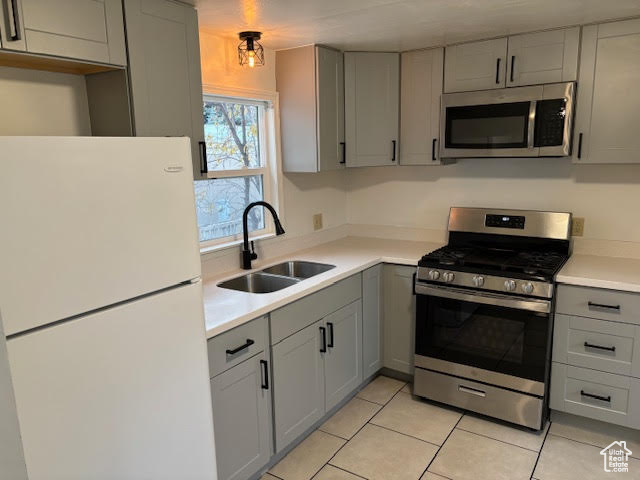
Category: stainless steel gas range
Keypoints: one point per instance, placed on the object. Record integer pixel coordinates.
(484, 312)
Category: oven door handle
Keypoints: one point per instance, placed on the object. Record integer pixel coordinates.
(519, 303)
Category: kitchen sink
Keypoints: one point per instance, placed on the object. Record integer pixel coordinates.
(299, 269)
(277, 277)
(259, 282)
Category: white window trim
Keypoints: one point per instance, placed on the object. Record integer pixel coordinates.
(270, 155)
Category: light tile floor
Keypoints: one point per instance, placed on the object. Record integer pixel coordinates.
(385, 433)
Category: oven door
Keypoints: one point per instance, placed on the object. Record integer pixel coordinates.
(497, 339)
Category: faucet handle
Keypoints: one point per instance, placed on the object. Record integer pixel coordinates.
(254, 255)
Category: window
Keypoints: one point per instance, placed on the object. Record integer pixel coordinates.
(236, 135)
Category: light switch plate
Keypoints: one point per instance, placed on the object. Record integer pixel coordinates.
(317, 221)
(577, 226)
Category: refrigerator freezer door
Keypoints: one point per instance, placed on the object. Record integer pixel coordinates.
(88, 222)
(118, 394)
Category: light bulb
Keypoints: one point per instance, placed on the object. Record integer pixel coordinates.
(252, 59)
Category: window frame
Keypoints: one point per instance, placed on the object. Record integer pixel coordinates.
(268, 132)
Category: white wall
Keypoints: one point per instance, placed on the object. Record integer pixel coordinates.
(43, 103)
(607, 196)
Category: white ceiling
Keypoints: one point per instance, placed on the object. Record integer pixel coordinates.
(398, 25)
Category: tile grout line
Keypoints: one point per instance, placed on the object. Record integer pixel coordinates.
(546, 435)
(503, 441)
(404, 434)
(440, 447)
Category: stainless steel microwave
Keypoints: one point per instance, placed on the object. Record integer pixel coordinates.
(534, 121)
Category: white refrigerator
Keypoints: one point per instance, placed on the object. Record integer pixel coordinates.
(101, 304)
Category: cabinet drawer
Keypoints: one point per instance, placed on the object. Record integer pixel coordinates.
(599, 303)
(253, 335)
(296, 316)
(598, 344)
(602, 396)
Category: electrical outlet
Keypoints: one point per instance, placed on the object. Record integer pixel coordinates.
(317, 221)
(577, 226)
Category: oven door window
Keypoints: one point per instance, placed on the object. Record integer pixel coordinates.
(503, 125)
(499, 339)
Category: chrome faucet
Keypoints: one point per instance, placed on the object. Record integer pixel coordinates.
(248, 255)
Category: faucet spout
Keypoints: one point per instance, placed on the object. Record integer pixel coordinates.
(249, 255)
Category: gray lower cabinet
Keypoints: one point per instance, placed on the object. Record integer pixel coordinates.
(241, 400)
(399, 317)
(343, 359)
(371, 320)
(298, 383)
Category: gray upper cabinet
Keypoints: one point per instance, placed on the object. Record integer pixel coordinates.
(298, 384)
(343, 359)
(242, 423)
(543, 57)
(310, 82)
(475, 66)
(399, 318)
(164, 61)
(90, 30)
(421, 88)
(372, 100)
(608, 109)
(371, 321)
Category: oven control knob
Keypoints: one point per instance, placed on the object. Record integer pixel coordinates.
(434, 274)
(509, 285)
(527, 288)
(478, 281)
(448, 277)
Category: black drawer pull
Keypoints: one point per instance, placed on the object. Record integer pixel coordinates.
(602, 305)
(599, 347)
(393, 157)
(330, 325)
(241, 347)
(433, 149)
(513, 62)
(580, 146)
(344, 153)
(323, 348)
(498, 71)
(596, 397)
(265, 374)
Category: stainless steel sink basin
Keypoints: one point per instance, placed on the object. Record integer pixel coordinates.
(259, 282)
(298, 269)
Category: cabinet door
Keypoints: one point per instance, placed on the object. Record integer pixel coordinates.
(399, 318)
(241, 400)
(545, 57)
(372, 102)
(420, 92)
(330, 108)
(608, 110)
(371, 321)
(81, 29)
(475, 66)
(343, 360)
(164, 58)
(298, 384)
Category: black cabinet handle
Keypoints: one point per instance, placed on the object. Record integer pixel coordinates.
(393, 156)
(599, 347)
(323, 348)
(204, 166)
(597, 397)
(498, 71)
(330, 325)
(602, 305)
(344, 153)
(14, 33)
(580, 145)
(513, 62)
(265, 374)
(413, 283)
(241, 347)
(433, 149)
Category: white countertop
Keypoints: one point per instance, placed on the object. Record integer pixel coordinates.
(615, 273)
(225, 309)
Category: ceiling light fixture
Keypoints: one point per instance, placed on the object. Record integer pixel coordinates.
(250, 52)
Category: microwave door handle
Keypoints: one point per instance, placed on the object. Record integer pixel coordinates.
(532, 124)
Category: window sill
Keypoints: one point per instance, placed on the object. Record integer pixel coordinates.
(233, 244)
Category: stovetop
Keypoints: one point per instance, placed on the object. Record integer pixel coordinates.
(517, 263)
